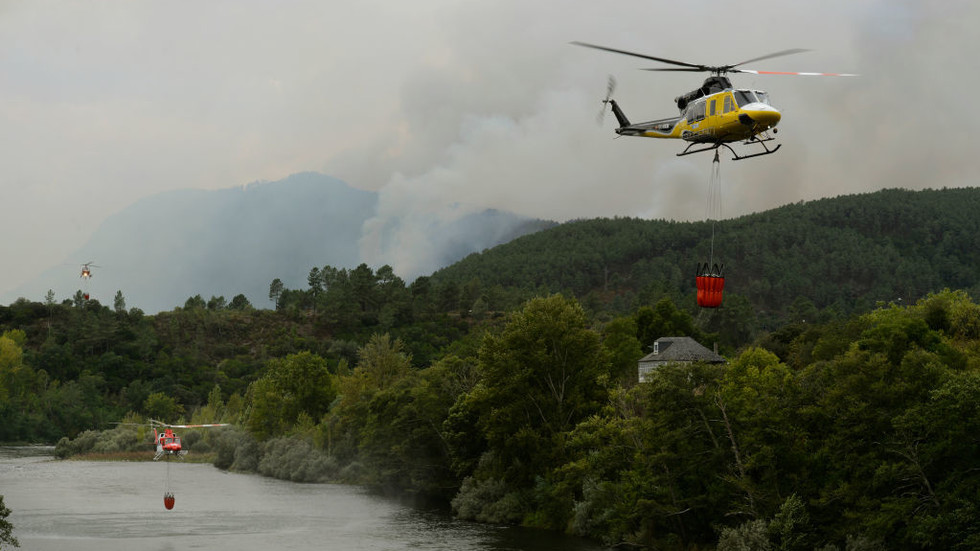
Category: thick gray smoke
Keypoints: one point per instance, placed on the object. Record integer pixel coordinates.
(505, 119)
(462, 106)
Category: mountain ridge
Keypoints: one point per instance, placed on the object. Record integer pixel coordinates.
(168, 247)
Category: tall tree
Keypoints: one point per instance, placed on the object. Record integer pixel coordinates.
(119, 303)
(239, 302)
(363, 283)
(664, 320)
(315, 280)
(275, 291)
(383, 360)
(543, 374)
(295, 385)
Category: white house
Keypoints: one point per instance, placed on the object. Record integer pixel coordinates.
(674, 350)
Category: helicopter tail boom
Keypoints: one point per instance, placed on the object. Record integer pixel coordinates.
(620, 116)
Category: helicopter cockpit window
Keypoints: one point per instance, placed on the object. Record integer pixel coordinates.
(763, 96)
(728, 104)
(744, 97)
(696, 112)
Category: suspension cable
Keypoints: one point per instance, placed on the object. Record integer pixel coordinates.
(713, 207)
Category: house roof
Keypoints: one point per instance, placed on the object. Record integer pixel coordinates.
(681, 349)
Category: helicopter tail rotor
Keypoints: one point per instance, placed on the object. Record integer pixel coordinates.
(610, 88)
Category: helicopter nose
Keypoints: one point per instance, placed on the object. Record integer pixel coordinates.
(765, 118)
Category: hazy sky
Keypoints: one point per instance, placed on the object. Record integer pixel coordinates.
(445, 106)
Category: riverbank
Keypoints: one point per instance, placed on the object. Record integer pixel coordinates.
(138, 456)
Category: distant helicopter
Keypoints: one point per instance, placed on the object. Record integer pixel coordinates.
(87, 269)
(714, 115)
(87, 275)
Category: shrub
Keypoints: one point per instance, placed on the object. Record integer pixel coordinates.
(487, 501)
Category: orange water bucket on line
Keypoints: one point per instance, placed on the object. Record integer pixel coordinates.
(168, 501)
(710, 289)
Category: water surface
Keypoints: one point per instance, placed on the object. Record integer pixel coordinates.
(105, 506)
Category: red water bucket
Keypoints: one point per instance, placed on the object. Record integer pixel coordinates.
(710, 290)
(168, 501)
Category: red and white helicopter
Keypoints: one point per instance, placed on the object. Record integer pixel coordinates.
(87, 269)
(168, 444)
(87, 275)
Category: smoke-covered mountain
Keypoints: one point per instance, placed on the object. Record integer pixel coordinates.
(174, 245)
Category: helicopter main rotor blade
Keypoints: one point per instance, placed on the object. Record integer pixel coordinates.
(772, 55)
(720, 69)
(643, 56)
(198, 426)
(676, 69)
(794, 73)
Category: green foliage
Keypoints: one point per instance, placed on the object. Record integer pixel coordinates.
(297, 384)
(353, 422)
(162, 407)
(488, 500)
(6, 529)
(195, 302)
(275, 291)
(831, 257)
(123, 438)
(382, 361)
(296, 460)
(240, 302)
(619, 338)
(664, 320)
(542, 375)
(404, 436)
(237, 450)
(790, 528)
(748, 536)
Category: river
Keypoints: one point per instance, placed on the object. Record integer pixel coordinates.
(107, 506)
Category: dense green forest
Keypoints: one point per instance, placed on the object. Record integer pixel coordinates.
(833, 256)
(844, 420)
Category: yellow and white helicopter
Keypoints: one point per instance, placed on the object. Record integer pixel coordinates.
(714, 115)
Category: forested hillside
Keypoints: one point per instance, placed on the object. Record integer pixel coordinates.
(843, 420)
(838, 255)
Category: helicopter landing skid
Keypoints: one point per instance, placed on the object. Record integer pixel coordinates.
(736, 156)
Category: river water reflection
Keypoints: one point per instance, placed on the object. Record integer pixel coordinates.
(92, 505)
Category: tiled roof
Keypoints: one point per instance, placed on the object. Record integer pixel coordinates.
(681, 349)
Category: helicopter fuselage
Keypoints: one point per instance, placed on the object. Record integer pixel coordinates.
(720, 117)
(167, 443)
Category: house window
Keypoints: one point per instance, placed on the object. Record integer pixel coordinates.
(656, 347)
